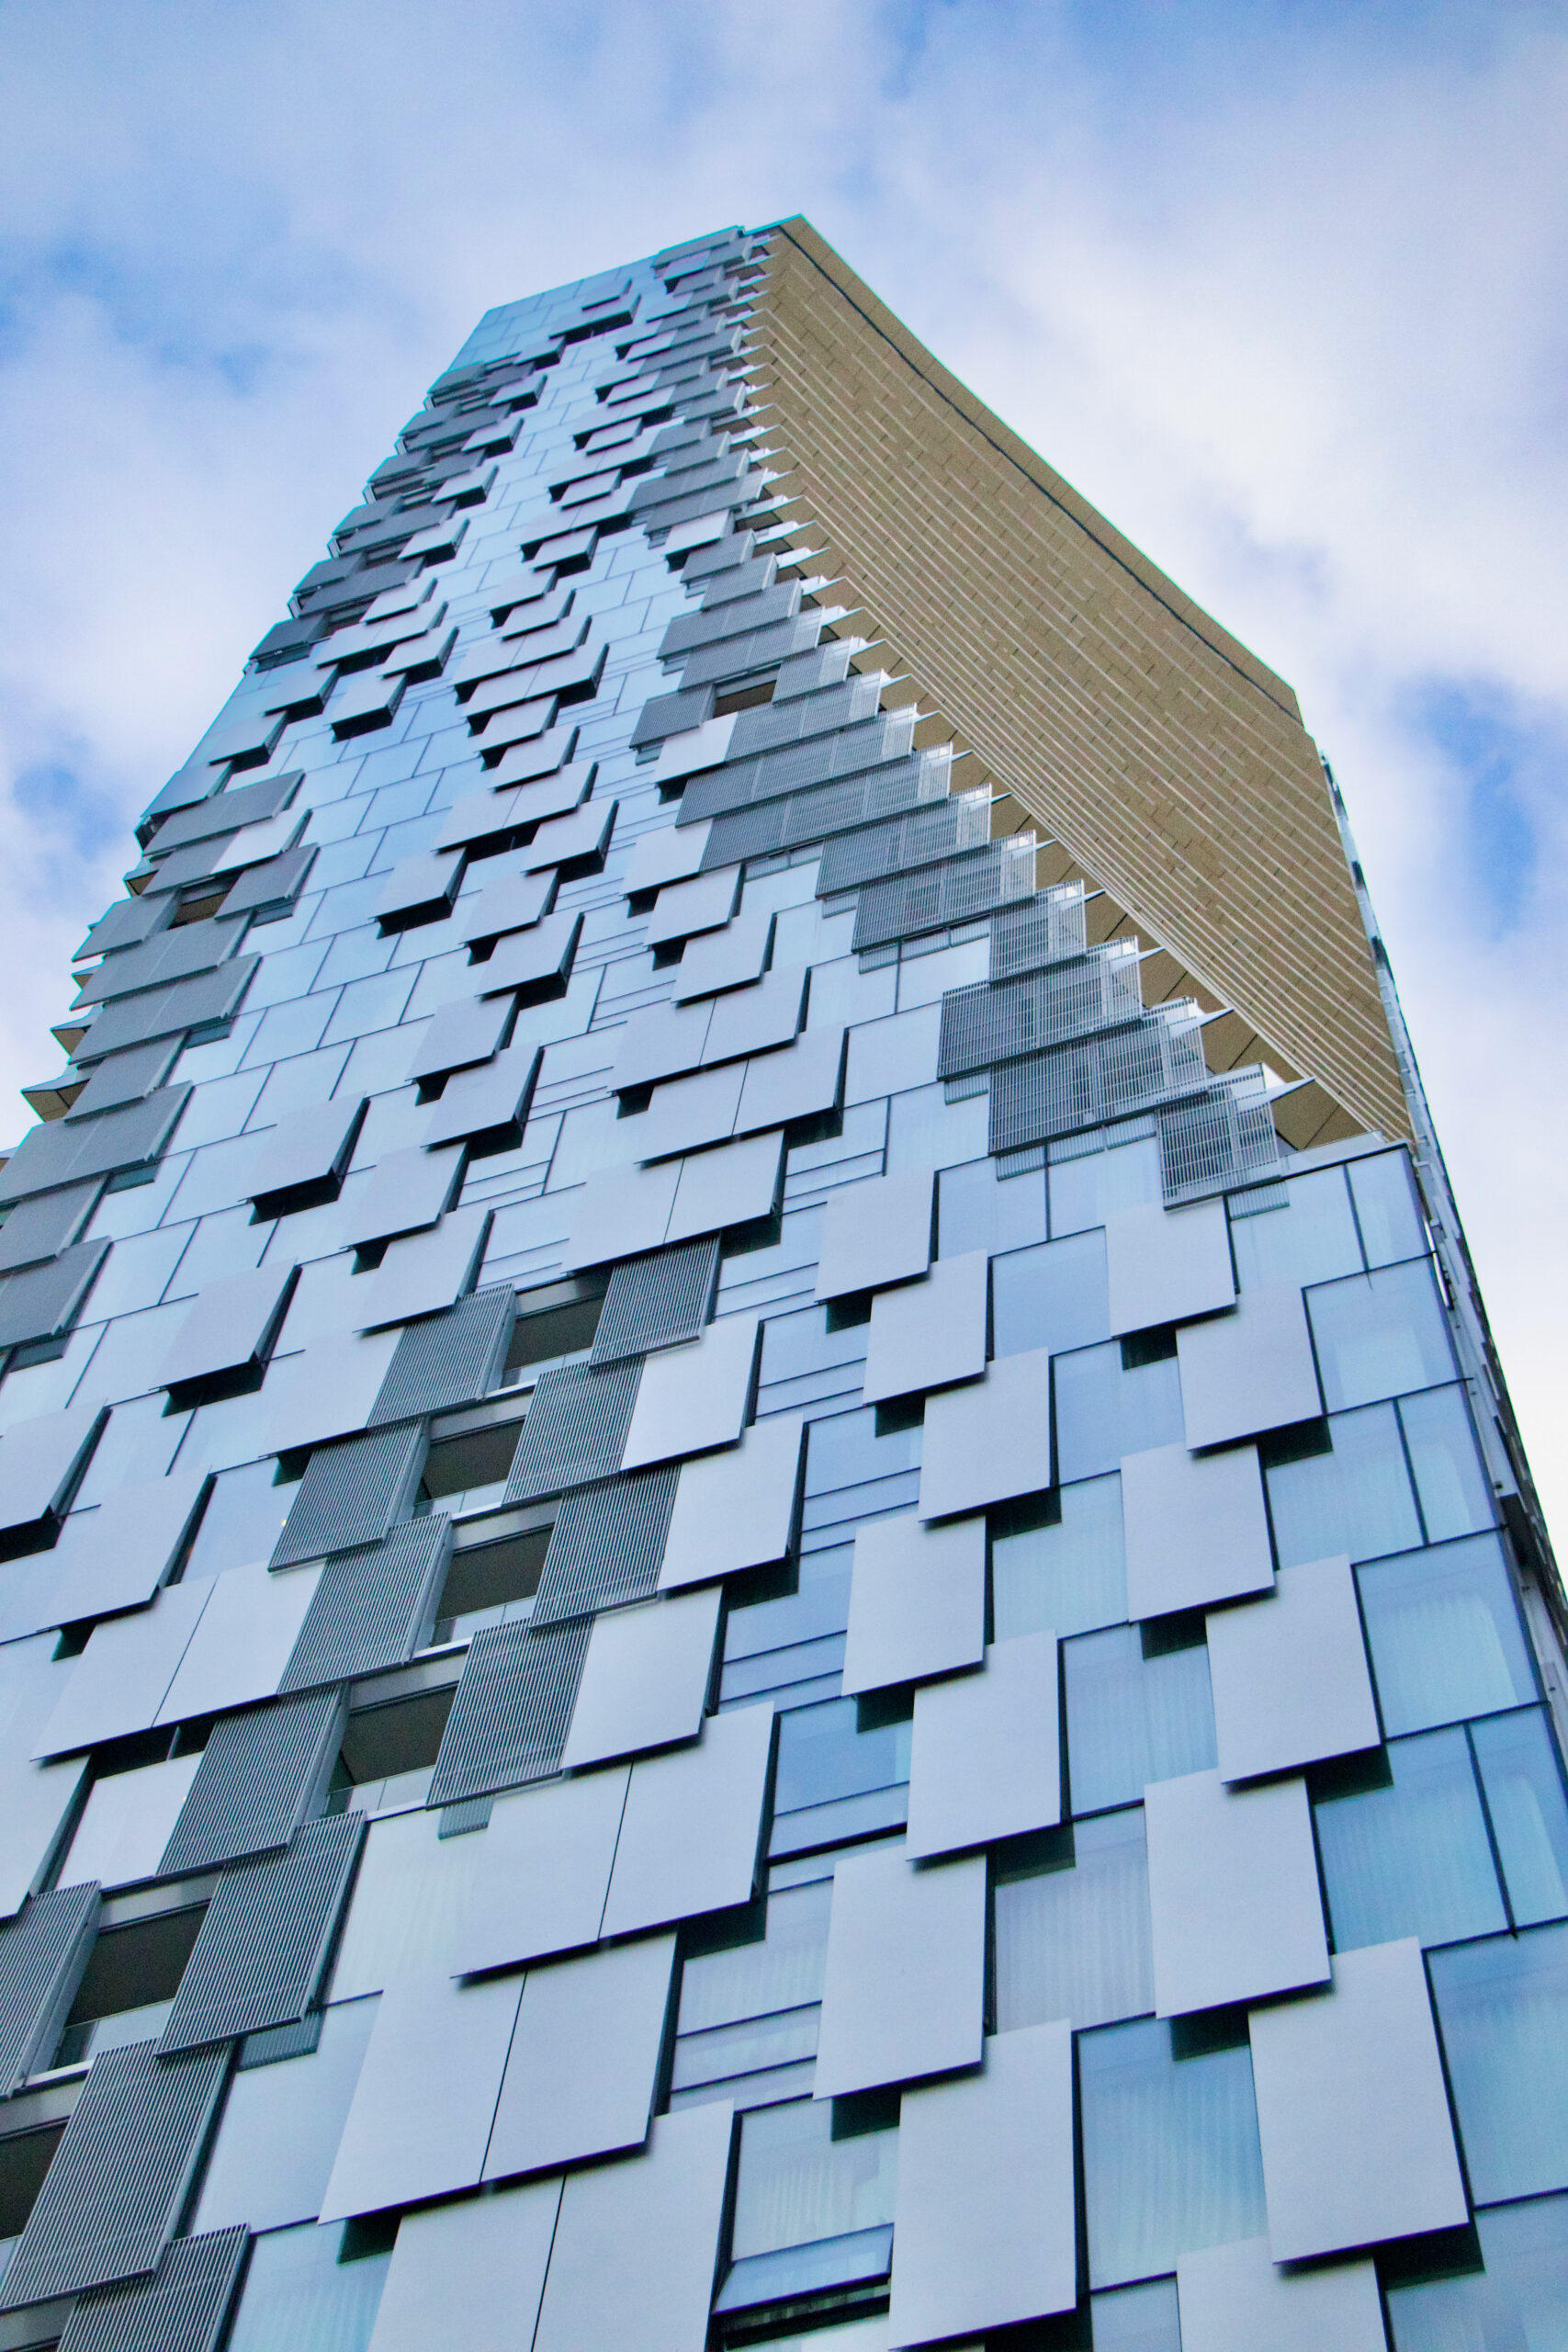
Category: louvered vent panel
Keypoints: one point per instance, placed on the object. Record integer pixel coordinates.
(607, 1546)
(1045, 929)
(753, 650)
(448, 1360)
(973, 885)
(120, 2176)
(258, 1959)
(652, 1302)
(575, 1431)
(961, 822)
(372, 1609)
(182, 2308)
(1224, 1136)
(1081, 1086)
(258, 1776)
(511, 1711)
(42, 1953)
(990, 1023)
(350, 1494)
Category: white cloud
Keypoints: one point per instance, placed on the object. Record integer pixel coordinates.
(1284, 299)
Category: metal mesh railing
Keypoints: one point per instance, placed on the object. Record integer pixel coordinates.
(989, 1023)
(1227, 1135)
(886, 791)
(998, 876)
(959, 823)
(1046, 930)
(1103, 1078)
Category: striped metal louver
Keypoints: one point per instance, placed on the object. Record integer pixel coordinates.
(607, 1546)
(511, 1712)
(372, 1608)
(448, 1360)
(258, 1775)
(258, 1957)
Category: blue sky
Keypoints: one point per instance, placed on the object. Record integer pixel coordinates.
(1279, 287)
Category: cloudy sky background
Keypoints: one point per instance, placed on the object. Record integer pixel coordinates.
(1278, 284)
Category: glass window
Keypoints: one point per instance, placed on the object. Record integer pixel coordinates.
(1445, 1635)
(925, 1130)
(1131, 1718)
(1523, 1781)
(1411, 1858)
(1310, 1239)
(1518, 2304)
(281, 2124)
(1104, 1409)
(408, 1897)
(1053, 1297)
(977, 1211)
(1387, 1208)
(304, 2291)
(1170, 2152)
(796, 2183)
(1067, 1577)
(1379, 1335)
(243, 1521)
(1073, 1942)
(822, 1755)
(1449, 1478)
(1354, 1499)
(781, 1970)
(1137, 2319)
(1086, 1191)
(1502, 2006)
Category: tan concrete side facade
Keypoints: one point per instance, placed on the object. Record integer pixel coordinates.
(1170, 763)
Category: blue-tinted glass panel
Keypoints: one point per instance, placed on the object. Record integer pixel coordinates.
(1380, 1335)
(1086, 1191)
(1449, 1478)
(1074, 1942)
(1053, 1297)
(1502, 2006)
(975, 1211)
(1445, 1635)
(781, 1970)
(1133, 1719)
(1523, 1781)
(1310, 1239)
(1136, 2319)
(1519, 2304)
(1065, 1578)
(1387, 1209)
(1104, 1411)
(796, 2182)
(1170, 2154)
(1356, 1500)
(299, 2297)
(1412, 1859)
(822, 1756)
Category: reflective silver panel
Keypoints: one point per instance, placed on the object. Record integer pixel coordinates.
(989, 1440)
(877, 1233)
(984, 2234)
(1289, 1674)
(735, 1509)
(547, 1857)
(119, 1681)
(583, 2071)
(645, 1679)
(1235, 2298)
(229, 1326)
(1195, 1528)
(241, 1642)
(1248, 1371)
(696, 1397)
(1233, 1892)
(929, 1334)
(917, 1601)
(692, 1825)
(637, 2243)
(985, 1759)
(904, 1990)
(470, 2272)
(1166, 1265)
(425, 2100)
(424, 1272)
(1352, 2111)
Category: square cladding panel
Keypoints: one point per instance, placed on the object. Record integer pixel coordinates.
(704, 1516)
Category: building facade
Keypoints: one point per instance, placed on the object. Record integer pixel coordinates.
(764, 1574)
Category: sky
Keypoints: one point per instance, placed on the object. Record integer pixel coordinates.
(1278, 285)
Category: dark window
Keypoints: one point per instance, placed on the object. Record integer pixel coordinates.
(488, 1576)
(482, 1458)
(402, 1736)
(557, 1326)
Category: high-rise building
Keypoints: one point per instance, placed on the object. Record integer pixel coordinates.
(765, 1573)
